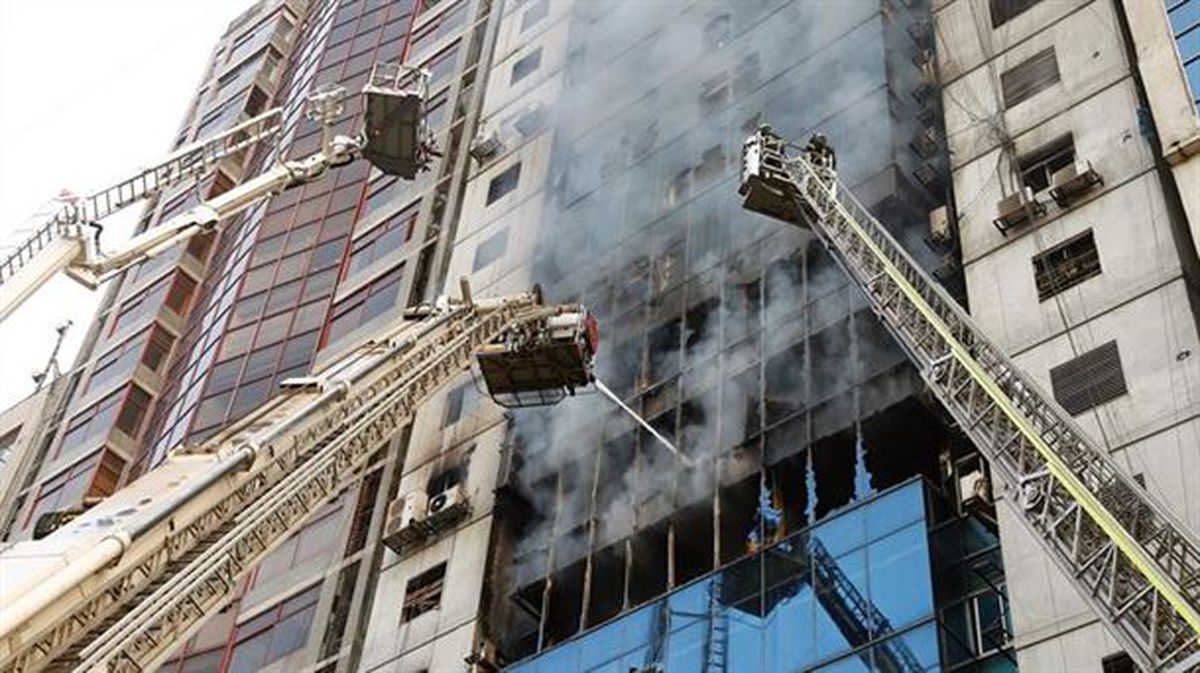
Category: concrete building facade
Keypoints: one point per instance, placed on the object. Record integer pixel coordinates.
(591, 148)
(1090, 285)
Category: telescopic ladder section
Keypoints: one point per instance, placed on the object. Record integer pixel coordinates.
(1136, 565)
(289, 457)
(193, 161)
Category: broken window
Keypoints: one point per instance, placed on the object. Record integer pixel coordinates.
(423, 593)
(1039, 166)
(1089, 380)
(1066, 265)
(680, 188)
(1031, 76)
(1003, 10)
(504, 183)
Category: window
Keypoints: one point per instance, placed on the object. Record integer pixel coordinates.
(384, 239)
(142, 304)
(90, 425)
(716, 32)
(490, 250)
(1003, 10)
(1118, 663)
(526, 65)
(504, 183)
(274, 633)
(536, 12)
(1024, 80)
(6, 443)
(1089, 380)
(423, 593)
(315, 539)
(1039, 166)
(454, 405)
(1184, 16)
(116, 363)
(133, 412)
(157, 347)
(365, 304)
(91, 477)
(1066, 265)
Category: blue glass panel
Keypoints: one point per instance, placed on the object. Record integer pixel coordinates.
(693, 599)
(841, 585)
(1184, 15)
(852, 664)
(688, 646)
(745, 636)
(791, 638)
(919, 644)
(1189, 44)
(895, 510)
(900, 577)
(599, 647)
(843, 532)
(1193, 76)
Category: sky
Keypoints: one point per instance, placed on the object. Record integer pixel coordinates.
(90, 90)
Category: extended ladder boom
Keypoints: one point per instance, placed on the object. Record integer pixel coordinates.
(118, 587)
(1136, 565)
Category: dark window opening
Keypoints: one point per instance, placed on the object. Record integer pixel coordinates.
(423, 593)
(1089, 380)
(1003, 10)
(504, 183)
(1024, 80)
(454, 405)
(1118, 663)
(1066, 265)
(1039, 166)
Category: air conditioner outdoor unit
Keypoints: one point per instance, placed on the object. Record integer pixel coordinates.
(1016, 209)
(974, 489)
(1072, 181)
(486, 145)
(939, 226)
(447, 501)
(404, 516)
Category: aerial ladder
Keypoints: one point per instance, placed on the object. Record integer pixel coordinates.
(117, 587)
(1131, 560)
(395, 139)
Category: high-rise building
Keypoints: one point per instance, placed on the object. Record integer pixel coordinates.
(821, 513)
(1070, 127)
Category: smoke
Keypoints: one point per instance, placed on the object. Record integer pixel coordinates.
(643, 225)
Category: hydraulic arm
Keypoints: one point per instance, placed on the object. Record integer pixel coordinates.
(116, 588)
(395, 140)
(1136, 565)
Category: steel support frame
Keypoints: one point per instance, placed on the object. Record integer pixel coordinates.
(1136, 566)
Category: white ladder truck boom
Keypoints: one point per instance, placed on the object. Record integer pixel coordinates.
(122, 584)
(1132, 561)
(395, 140)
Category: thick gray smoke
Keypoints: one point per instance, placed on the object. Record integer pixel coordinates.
(647, 136)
